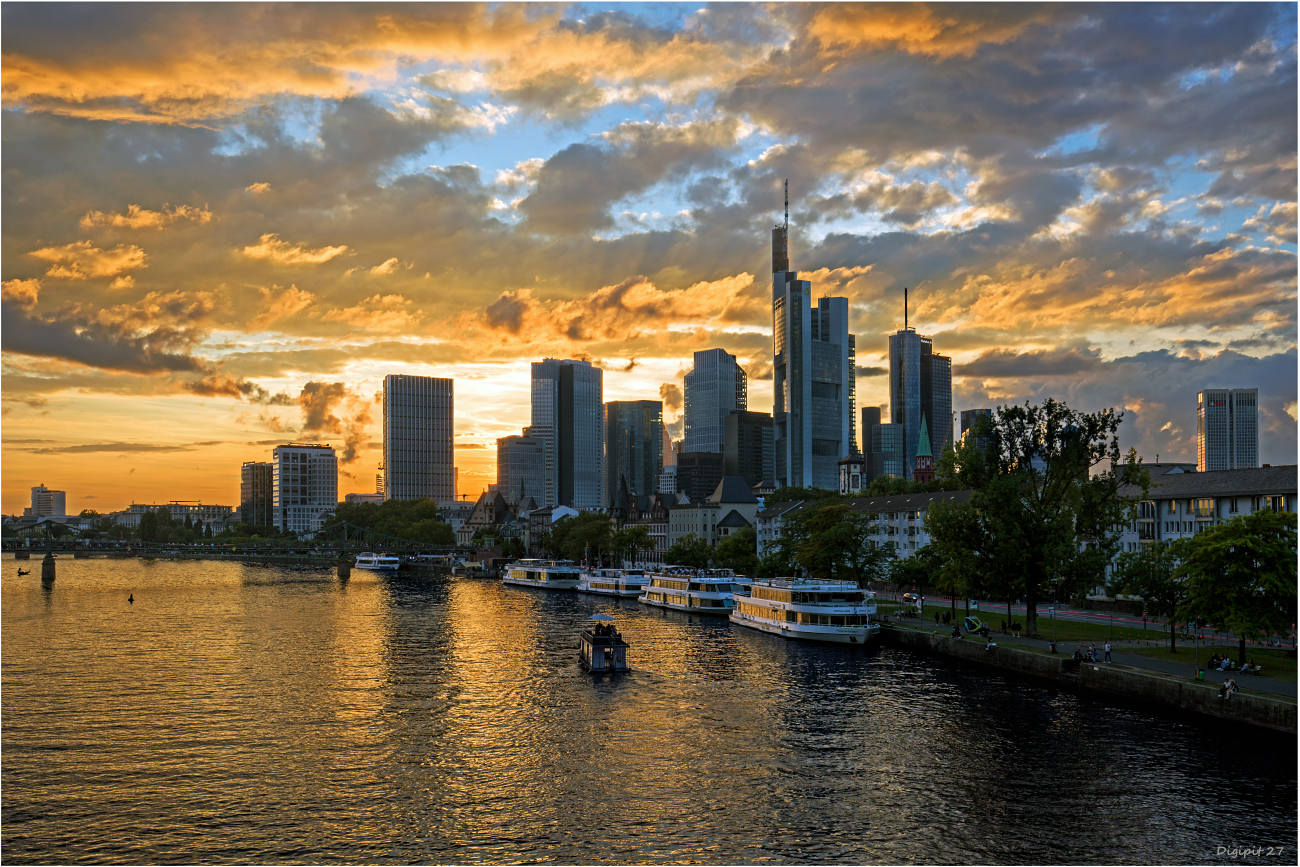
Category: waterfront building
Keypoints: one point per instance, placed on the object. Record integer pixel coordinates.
(698, 473)
(521, 467)
(729, 508)
(747, 449)
(899, 519)
(713, 388)
(46, 503)
(1227, 429)
(306, 485)
(920, 386)
(814, 360)
(634, 440)
(257, 493)
(215, 516)
(538, 525)
(418, 434)
(568, 415)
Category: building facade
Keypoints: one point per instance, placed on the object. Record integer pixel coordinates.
(747, 449)
(713, 388)
(920, 386)
(217, 517)
(418, 434)
(305, 485)
(569, 418)
(814, 360)
(1227, 429)
(521, 467)
(698, 473)
(47, 503)
(634, 442)
(899, 519)
(711, 518)
(257, 493)
(882, 446)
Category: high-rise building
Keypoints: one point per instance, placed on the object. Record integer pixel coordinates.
(882, 446)
(569, 417)
(257, 493)
(419, 431)
(46, 502)
(747, 446)
(305, 485)
(920, 386)
(521, 468)
(1227, 429)
(714, 387)
(634, 442)
(698, 474)
(814, 360)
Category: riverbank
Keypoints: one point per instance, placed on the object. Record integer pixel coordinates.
(1164, 689)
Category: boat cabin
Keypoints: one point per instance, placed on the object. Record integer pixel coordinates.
(603, 649)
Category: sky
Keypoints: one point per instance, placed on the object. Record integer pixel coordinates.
(224, 224)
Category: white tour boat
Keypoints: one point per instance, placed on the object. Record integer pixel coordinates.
(379, 562)
(624, 583)
(547, 574)
(701, 591)
(809, 609)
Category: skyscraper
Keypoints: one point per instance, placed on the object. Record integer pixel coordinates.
(569, 416)
(47, 502)
(634, 442)
(1227, 429)
(418, 436)
(257, 493)
(813, 369)
(920, 385)
(714, 387)
(521, 468)
(306, 485)
(747, 446)
(882, 446)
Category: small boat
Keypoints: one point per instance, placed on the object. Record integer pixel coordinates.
(699, 591)
(379, 562)
(546, 574)
(836, 611)
(623, 583)
(601, 648)
(22, 572)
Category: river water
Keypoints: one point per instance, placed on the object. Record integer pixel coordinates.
(238, 713)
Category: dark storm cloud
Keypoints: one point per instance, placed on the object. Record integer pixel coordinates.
(1002, 363)
(105, 345)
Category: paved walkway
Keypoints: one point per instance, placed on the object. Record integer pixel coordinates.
(1251, 683)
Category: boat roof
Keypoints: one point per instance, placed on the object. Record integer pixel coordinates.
(805, 584)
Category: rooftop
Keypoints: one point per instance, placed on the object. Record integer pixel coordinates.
(1219, 483)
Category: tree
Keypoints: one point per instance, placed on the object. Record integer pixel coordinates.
(1038, 516)
(628, 541)
(828, 540)
(585, 535)
(791, 494)
(148, 527)
(88, 513)
(1241, 575)
(690, 551)
(1151, 574)
(739, 551)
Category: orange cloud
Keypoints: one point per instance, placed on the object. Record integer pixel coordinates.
(82, 260)
(386, 313)
(283, 305)
(22, 294)
(271, 249)
(138, 218)
(937, 31)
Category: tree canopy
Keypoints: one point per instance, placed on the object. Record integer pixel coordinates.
(417, 520)
(739, 551)
(827, 540)
(690, 551)
(1151, 574)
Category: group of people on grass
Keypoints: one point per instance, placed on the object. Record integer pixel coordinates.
(1225, 663)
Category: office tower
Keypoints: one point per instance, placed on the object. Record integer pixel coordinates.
(813, 370)
(698, 474)
(305, 486)
(46, 502)
(882, 446)
(418, 435)
(1227, 429)
(634, 442)
(257, 493)
(569, 417)
(715, 386)
(968, 419)
(920, 386)
(747, 446)
(521, 468)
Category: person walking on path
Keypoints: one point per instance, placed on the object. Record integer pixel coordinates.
(1108, 659)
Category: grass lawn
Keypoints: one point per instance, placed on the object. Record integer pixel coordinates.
(1276, 663)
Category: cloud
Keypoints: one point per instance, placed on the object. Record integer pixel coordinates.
(279, 305)
(82, 260)
(257, 188)
(388, 267)
(382, 313)
(1003, 363)
(671, 394)
(115, 448)
(138, 218)
(22, 294)
(125, 282)
(318, 402)
(222, 385)
(870, 371)
(271, 249)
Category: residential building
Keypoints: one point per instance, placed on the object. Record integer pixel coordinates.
(419, 424)
(668, 479)
(1227, 429)
(539, 523)
(920, 386)
(698, 474)
(729, 508)
(634, 444)
(456, 513)
(747, 449)
(257, 493)
(814, 361)
(713, 388)
(569, 417)
(46, 502)
(521, 467)
(305, 486)
(899, 519)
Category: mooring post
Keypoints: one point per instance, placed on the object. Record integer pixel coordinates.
(47, 565)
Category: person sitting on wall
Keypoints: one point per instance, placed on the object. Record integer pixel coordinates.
(1078, 654)
(956, 633)
(1092, 653)
(992, 644)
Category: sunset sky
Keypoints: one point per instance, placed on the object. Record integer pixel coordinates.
(224, 224)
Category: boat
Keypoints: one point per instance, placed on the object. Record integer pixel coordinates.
(624, 583)
(547, 574)
(601, 648)
(813, 610)
(379, 562)
(701, 591)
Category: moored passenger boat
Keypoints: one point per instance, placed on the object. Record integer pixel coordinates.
(624, 583)
(701, 591)
(379, 562)
(837, 611)
(546, 574)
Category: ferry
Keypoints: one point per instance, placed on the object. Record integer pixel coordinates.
(813, 610)
(379, 562)
(547, 574)
(601, 648)
(701, 591)
(623, 583)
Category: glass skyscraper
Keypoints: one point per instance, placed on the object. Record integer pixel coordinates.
(634, 441)
(920, 384)
(1227, 429)
(419, 424)
(521, 468)
(714, 387)
(569, 417)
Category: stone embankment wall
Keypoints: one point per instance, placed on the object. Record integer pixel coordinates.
(1161, 689)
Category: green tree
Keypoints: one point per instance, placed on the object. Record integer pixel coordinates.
(628, 541)
(1151, 574)
(148, 527)
(790, 494)
(89, 513)
(690, 551)
(1241, 575)
(1039, 515)
(739, 551)
(586, 534)
(828, 540)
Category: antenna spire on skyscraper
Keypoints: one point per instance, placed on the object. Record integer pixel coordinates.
(904, 308)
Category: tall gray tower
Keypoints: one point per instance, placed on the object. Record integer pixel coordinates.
(715, 386)
(569, 418)
(419, 423)
(920, 386)
(1227, 429)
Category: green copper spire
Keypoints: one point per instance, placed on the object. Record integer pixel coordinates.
(923, 446)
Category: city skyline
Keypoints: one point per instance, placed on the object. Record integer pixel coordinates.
(211, 248)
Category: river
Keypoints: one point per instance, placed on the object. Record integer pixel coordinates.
(238, 713)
